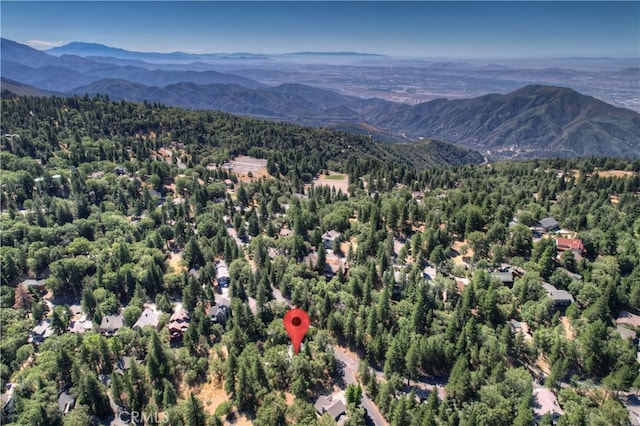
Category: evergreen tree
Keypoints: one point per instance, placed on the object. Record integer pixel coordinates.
(193, 254)
(194, 414)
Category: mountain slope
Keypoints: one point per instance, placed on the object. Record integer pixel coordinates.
(533, 121)
(290, 102)
(211, 136)
(100, 50)
(66, 72)
(20, 89)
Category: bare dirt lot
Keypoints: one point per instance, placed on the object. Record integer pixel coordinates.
(243, 165)
(212, 395)
(335, 180)
(616, 173)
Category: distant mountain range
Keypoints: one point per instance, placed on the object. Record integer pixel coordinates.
(534, 121)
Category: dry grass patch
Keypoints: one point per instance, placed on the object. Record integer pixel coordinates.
(568, 329)
(338, 181)
(616, 173)
(175, 262)
(457, 246)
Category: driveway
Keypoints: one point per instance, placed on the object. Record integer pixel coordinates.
(349, 369)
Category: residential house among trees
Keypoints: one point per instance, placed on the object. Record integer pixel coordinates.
(561, 298)
(544, 401)
(573, 244)
(149, 318)
(80, 326)
(628, 318)
(222, 274)
(505, 278)
(549, 224)
(37, 285)
(178, 324)
(329, 237)
(66, 402)
(111, 324)
(40, 332)
(429, 273)
(219, 314)
(329, 404)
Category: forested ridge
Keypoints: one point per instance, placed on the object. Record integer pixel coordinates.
(122, 207)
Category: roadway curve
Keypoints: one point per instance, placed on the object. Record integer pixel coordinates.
(349, 369)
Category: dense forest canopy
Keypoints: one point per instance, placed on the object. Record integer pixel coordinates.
(121, 207)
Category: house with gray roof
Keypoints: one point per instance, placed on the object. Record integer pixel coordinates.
(505, 278)
(332, 405)
(219, 314)
(37, 285)
(40, 332)
(66, 402)
(111, 324)
(80, 326)
(222, 274)
(625, 333)
(544, 401)
(124, 363)
(329, 237)
(549, 224)
(7, 399)
(429, 273)
(148, 318)
(561, 298)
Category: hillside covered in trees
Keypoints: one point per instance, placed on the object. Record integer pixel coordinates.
(145, 271)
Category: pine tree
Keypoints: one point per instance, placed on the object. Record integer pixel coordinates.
(169, 396)
(157, 363)
(231, 370)
(193, 254)
(89, 302)
(116, 388)
(194, 414)
(322, 259)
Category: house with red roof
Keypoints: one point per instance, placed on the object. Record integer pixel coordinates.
(573, 244)
(179, 323)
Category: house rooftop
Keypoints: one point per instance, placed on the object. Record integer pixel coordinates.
(429, 273)
(628, 318)
(558, 296)
(33, 283)
(625, 333)
(331, 235)
(504, 277)
(219, 313)
(548, 223)
(285, 232)
(544, 401)
(40, 332)
(332, 405)
(112, 323)
(80, 326)
(149, 317)
(569, 244)
(65, 402)
(180, 315)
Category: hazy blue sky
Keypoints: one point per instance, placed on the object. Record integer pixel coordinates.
(419, 29)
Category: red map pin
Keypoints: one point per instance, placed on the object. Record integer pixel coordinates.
(296, 322)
